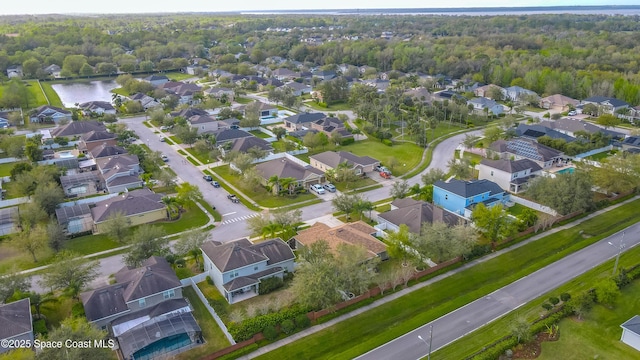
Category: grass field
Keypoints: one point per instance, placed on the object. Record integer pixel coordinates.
(179, 76)
(388, 321)
(332, 107)
(361, 182)
(5, 169)
(407, 154)
(259, 194)
(52, 95)
(600, 156)
(211, 332)
(260, 134)
(203, 158)
(175, 139)
(242, 100)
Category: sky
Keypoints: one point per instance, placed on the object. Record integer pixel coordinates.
(171, 6)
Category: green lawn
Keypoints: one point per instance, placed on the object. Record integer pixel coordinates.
(215, 213)
(5, 169)
(242, 100)
(193, 161)
(52, 95)
(213, 335)
(386, 322)
(516, 209)
(260, 134)
(407, 154)
(203, 158)
(120, 91)
(259, 194)
(333, 107)
(361, 182)
(179, 76)
(175, 139)
(36, 96)
(600, 156)
(90, 244)
(192, 218)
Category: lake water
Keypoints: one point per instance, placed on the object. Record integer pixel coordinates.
(72, 93)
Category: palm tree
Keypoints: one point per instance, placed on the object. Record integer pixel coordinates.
(37, 300)
(172, 205)
(274, 184)
(272, 229)
(289, 183)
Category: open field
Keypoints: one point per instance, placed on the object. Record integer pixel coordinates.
(52, 95)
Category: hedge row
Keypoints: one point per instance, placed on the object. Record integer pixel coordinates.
(249, 327)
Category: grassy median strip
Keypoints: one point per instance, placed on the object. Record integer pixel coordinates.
(373, 328)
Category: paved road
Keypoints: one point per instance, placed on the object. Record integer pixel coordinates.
(471, 317)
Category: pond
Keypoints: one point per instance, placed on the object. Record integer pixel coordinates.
(72, 93)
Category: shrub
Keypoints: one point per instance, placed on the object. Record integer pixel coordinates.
(270, 284)
(77, 310)
(347, 141)
(478, 251)
(249, 327)
(40, 327)
(387, 142)
(220, 306)
(270, 332)
(547, 306)
(180, 262)
(322, 104)
(565, 297)
(287, 326)
(302, 321)
(554, 300)
(209, 280)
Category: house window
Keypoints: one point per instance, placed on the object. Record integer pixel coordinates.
(446, 197)
(142, 303)
(169, 294)
(255, 268)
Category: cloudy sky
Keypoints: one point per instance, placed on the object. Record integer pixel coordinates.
(10, 7)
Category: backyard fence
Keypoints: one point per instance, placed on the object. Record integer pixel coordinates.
(190, 282)
(91, 200)
(594, 151)
(533, 205)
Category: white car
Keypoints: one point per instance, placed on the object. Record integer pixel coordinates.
(572, 113)
(317, 188)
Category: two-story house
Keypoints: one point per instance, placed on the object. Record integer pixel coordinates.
(483, 105)
(144, 311)
(220, 93)
(146, 101)
(510, 175)
(460, 196)
(141, 206)
(606, 105)
(516, 93)
(203, 123)
(119, 172)
(526, 149)
(97, 107)
(237, 267)
(94, 139)
(302, 121)
(17, 324)
(485, 91)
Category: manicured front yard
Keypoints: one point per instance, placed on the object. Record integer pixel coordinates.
(407, 154)
(203, 158)
(332, 107)
(259, 194)
(5, 169)
(361, 182)
(242, 100)
(179, 76)
(260, 134)
(384, 323)
(175, 139)
(211, 332)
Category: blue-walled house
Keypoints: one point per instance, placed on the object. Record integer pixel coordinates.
(460, 196)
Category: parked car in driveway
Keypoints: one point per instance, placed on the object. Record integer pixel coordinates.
(208, 178)
(572, 113)
(329, 187)
(381, 168)
(317, 188)
(385, 174)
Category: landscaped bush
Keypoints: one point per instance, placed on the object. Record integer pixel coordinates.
(497, 350)
(565, 297)
(180, 262)
(270, 332)
(209, 280)
(77, 310)
(547, 306)
(347, 141)
(478, 251)
(220, 306)
(554, 300)
(387, 142)
(249, 327)
(302, 321)
(40, 327)
(288, 326)
(270, 284)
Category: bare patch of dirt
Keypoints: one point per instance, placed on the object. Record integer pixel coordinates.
(532, 349)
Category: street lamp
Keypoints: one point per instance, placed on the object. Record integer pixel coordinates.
(428, 343)
(620, 246)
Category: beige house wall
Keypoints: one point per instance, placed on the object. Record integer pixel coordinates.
(145, 218)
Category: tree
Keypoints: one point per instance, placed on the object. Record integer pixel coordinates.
(316, 284)
(188, 192)
(433, 175)
(399, 189)
(72, 64)
(10, 283)
(279, 132)
(147, 241)
(617, 173)
(256, 152)
(362, 206)
(117, 227)
(520, 330)
(56, 235)
(86, 70)
(251, 117)
(470, 140)
(608, 120)
(37, 300)
(48, 195)
(241, 161)
(133, 107)
(607, 292)
(492, 222)
(492, 134)
(345, 203)
(460, 168)
(173, 206)
(71, 273)
(165, 177)
(336, 137)
(30, 215)
(581, 304)
(77, 329)
(30, 67)
(187, 134)
(399, 244)
(311, 141)
(566, 193)
(32, 150)
(393, 163)
(31, 241)
(190, 243)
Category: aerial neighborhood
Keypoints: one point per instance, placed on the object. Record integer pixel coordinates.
(199, 186)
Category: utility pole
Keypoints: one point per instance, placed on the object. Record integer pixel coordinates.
(620, 247)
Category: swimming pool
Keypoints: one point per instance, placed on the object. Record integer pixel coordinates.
(567, 170)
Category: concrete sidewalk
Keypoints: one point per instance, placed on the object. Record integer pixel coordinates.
(314, 329)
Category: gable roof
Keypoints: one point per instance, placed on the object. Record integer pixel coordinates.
(296, 86)
(526, 148)
(230, 134)
(153, 277)
(105, 150)
(123, 161)
(537, 130)
(201, 119)
(95, 105)
(49, 109)
(246, 143)
(559, 99)
(601, 99)
(98, 135)
(283, 72)
(104, 302)
(467, 189)
(285, 168)
(78, 128)
(130, 203)
(15, 318)
(333, 159)
(305, 118)
(511, 166)
(632, 325)
(484, 102)
(356, 234)
(189, 112)
(241, 253)
(575, 125)
(413, 213)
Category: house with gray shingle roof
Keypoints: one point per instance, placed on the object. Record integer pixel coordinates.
(48, 114)
(237, 267)
(105, 150)
(119, 172)
(414, 213)
(483, 104)
(97, 107)
(302, 121)
(143, 309)
(297, 88)
(510, 175)
(330, 160)
(77, 128)
(460, 197)
(571, 126)
(286, 168)
(17, 323)
(526, 149)
(94, 139)
(631, 332)
(607, 105)
(140, 206)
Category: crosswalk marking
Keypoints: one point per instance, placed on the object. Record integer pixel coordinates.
(229, 221)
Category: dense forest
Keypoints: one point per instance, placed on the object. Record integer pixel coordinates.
(576, 55)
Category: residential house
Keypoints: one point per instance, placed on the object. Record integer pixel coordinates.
(237, 267)
(325, 74)
(48, 113)
(97, 107)
(269, 83)
(75, 219)
(53, 70)
(156, 80)
(105, 150)
(141, 206)
(203, 123)
(146, 101)
(485, 91)
(447, 95)
(77, 128)
(284, 74)
(379, 84)
(558, 102)
(330, 160)
(571, 127)
(189, 112)
(460, 196)
(287, 168)
(264, 110)
(14, 71)
(483, 105)
(329, 125)
(243, 145)
(631, 332)
(196, 69)
(119, 172)
(144, 311)
(419, 94)
(357, 234)
(226, 135)
(516, 93)
(510, 175)
(414, 213)
(185, 92)
(538, 130)
(17, 324)
(606, 105)
(297, 89)
(302, 121)
(221, 93)
(93, 139)
(4, 119)
(517, 149)
(80, 184)
(220, 73)
(631, 144)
